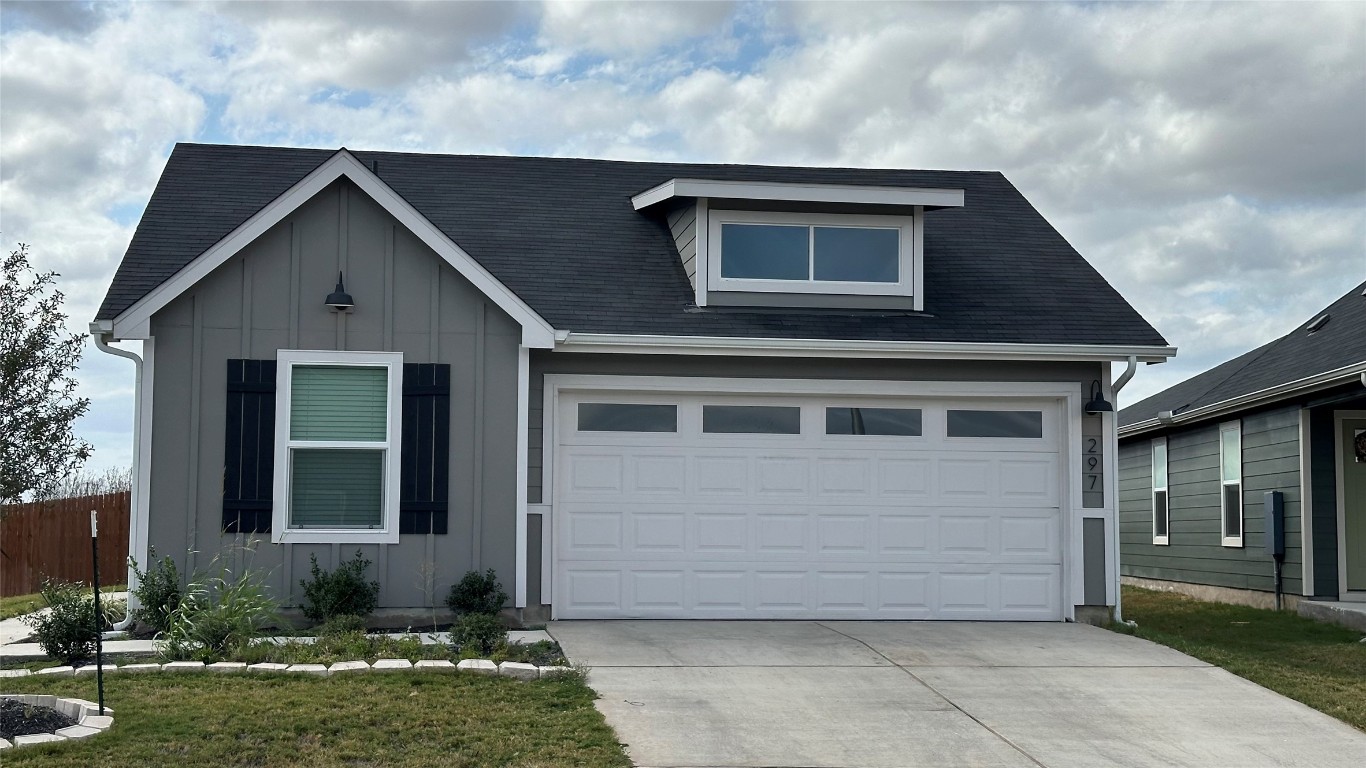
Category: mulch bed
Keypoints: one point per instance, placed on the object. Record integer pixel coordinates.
(19, 719)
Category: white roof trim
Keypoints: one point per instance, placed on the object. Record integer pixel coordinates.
(721, 345)
(1305, 385)
(133, 322)
(815, 193)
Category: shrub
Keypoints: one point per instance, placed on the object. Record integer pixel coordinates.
(157, 591)
(218, 614)
(477, 594)
(339, 592)
(344, 624)
(479, 633)
(67, 631)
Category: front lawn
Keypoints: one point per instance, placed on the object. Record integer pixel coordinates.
(1322, 665)
(374, 719)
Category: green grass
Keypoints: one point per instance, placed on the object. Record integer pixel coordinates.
(403, 719)
(1319, 664)
(22, 604)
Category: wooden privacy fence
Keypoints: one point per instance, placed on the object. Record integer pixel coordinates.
(51, 539)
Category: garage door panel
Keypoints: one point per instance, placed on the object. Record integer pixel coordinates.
(642, 590)
(616, 530)
(687, 524)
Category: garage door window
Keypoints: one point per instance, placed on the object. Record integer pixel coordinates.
(627, 417)
(900, 422)
(1010, 424)
(752, 419)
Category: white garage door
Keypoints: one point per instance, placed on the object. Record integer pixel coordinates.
(691, 506)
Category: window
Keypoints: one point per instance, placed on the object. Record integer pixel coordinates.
(1231, 482)
(812, 253)
(752, 419)
(625, 417)
(1160, 514)
(1021, 424)
(901, 422)
(337, 462)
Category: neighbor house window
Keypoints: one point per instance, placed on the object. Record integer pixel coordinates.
(812, 253)
(1231, 482)
(336, 452)
(1161, 516)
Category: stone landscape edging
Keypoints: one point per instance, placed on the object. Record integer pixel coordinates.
(89, 721)
(88, 710)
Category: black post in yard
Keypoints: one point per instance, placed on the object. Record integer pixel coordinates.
(99, 633)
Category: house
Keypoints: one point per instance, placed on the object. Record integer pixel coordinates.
(1197, 461)
(632, 389)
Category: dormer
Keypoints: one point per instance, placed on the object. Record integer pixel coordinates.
(784, 245)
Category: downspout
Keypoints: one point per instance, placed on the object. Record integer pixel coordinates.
(136, 532)
(1114, 392)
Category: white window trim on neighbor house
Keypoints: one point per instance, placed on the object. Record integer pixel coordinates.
(1231, 538)
(908, 264)
(387, 531)
(1164, 538)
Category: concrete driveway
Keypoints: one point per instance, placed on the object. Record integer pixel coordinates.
(705, 694)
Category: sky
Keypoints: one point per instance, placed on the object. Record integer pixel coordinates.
(1208, 159)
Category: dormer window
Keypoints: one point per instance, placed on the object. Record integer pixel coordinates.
(774, 244)
(812, 253)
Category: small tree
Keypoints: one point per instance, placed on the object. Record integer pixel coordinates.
(38, 402)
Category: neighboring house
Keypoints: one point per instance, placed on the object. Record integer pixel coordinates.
(1197, 460)
(632, 389)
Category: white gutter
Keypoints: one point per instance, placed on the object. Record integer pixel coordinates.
(137, 532)
(1114, 447)
(730, 345)
(1270, 394)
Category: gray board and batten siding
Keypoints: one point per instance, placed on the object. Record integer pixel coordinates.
(545, 362)
(270, 297)
(1194, 554)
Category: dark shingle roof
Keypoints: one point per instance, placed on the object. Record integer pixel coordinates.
(1297, 355)
(563, 236)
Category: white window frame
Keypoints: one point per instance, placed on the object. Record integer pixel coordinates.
(1163, 539)
(387, 532)
(908, 264)
(1227, 539)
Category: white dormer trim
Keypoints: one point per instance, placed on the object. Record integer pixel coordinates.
(812, 193)
(134, 322)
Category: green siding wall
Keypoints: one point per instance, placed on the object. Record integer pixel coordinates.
(1194, 553)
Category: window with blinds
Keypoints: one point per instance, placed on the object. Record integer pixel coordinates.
(340, 475)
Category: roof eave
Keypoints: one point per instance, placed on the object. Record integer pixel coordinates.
(787, 192)
(1315, 383)
(927, 350)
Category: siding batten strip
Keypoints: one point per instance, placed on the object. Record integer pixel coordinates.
(477, 436)
(192, 482)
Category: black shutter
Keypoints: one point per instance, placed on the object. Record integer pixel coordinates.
(249, 451)
(424, 484)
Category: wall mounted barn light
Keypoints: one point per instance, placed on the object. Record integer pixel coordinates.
(1098, 402)
(339, 300)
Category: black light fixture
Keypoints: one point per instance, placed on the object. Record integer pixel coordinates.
(1098, 402)
(339, 300)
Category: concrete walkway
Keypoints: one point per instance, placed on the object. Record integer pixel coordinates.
(903, 694)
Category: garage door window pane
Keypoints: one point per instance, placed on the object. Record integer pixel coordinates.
(904, 422)
(995, 424)
(752, 419)
(627, 417)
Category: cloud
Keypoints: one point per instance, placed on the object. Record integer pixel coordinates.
(1207, 159)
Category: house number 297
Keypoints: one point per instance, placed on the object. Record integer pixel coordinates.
(1092, 462)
